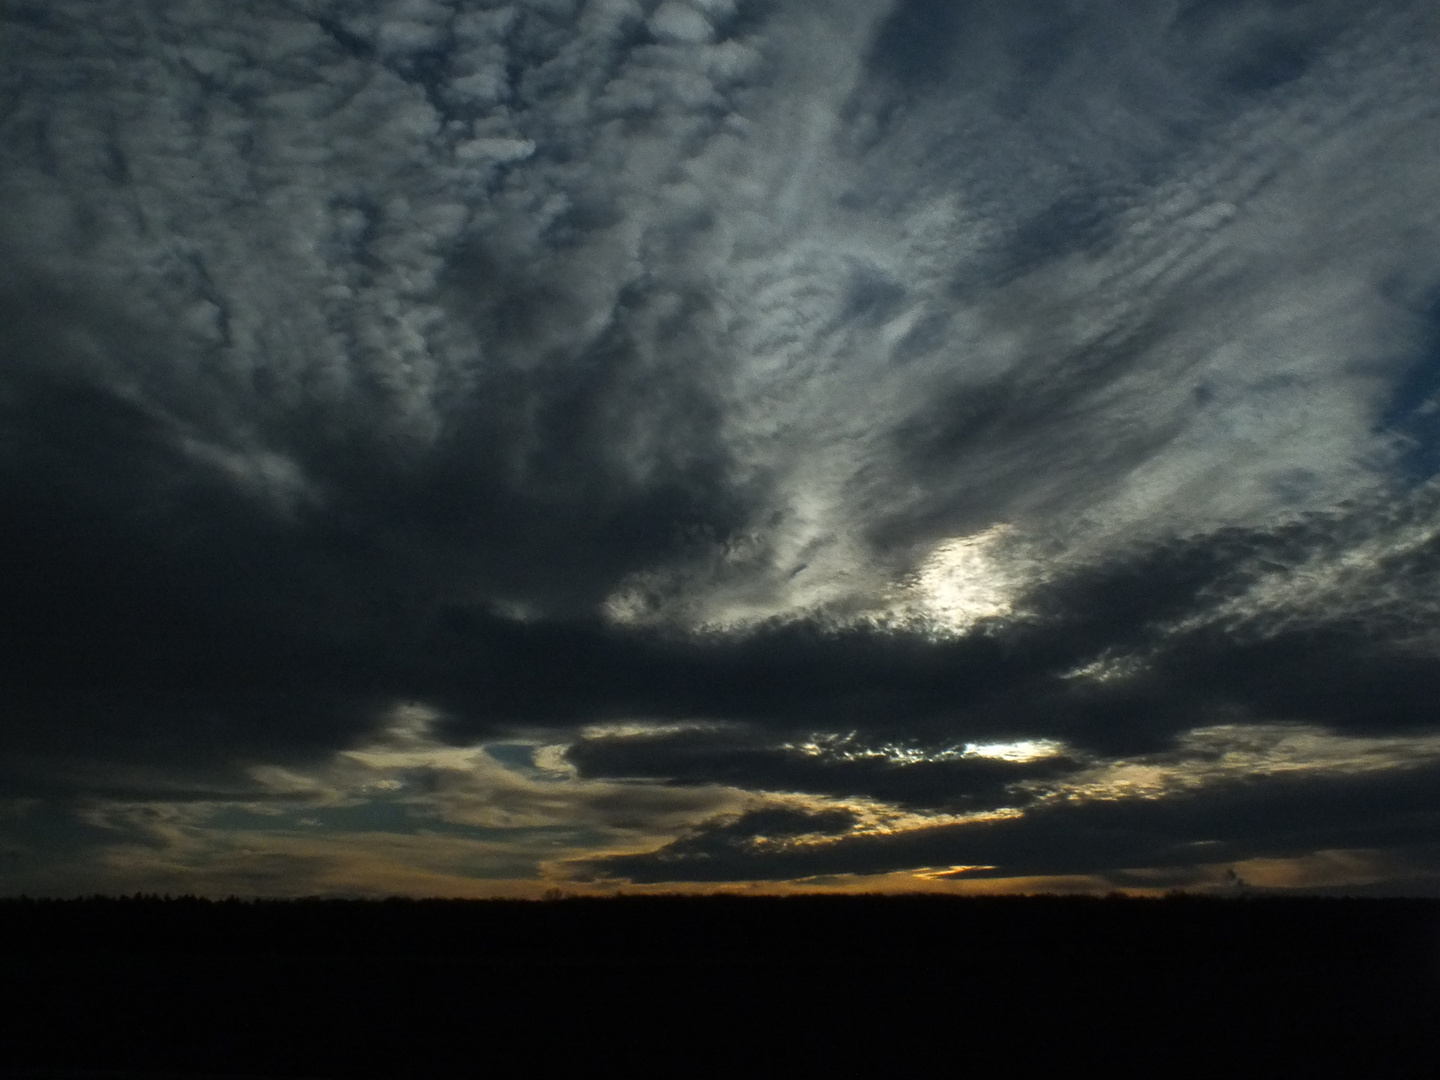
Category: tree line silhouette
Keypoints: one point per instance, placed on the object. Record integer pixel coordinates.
(409, 988)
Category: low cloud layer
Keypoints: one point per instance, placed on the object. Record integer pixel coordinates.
(830, 436)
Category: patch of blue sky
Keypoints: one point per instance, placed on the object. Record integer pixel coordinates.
(518, 757)
(395, 815)
(1412, 415)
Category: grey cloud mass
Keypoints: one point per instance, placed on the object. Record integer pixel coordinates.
(717, 440)
(1227, 825)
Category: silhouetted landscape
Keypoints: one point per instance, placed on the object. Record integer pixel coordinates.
(397, 988)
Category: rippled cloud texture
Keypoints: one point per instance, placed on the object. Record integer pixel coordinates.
(474, 448)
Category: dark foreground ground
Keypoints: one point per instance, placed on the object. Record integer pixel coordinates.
(766, 987)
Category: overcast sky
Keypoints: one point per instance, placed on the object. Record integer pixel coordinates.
(474, 448)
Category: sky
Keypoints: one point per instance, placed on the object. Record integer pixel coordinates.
(464, 448)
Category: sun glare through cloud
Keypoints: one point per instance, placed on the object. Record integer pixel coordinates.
(962, 582)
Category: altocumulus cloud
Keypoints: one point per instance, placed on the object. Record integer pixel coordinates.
(459, 446)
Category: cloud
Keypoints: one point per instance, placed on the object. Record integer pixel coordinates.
(947, 780)
(1236, 820)
(887, 378)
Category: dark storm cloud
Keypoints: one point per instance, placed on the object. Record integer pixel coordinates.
(748, 759)
(1277, 817)
(153, 609)
(1007, 679)
(246, 634)
(1361, 668)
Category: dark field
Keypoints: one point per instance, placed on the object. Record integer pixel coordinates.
(763, 986)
